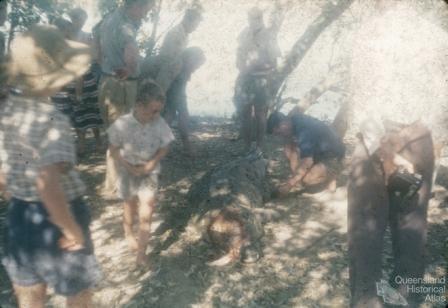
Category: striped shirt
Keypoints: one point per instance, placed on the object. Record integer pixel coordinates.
(33, 135)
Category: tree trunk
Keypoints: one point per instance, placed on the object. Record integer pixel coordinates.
(152, 38)
(330, 13)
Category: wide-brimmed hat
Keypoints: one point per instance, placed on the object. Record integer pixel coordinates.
(42, 60)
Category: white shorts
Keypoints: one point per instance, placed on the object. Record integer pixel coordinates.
(130, 186)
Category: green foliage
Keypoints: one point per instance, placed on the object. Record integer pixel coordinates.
(24, 14)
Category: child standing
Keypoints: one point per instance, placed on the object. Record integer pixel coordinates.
(138, 141)
(47, 242)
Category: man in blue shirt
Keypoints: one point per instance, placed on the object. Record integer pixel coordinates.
(311, 148)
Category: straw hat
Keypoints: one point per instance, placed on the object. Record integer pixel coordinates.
(42, 61)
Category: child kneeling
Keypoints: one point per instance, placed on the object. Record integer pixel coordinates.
(138, 141)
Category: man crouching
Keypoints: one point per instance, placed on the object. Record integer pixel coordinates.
(312, 148)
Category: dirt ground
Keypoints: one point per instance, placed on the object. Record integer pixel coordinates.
(304, 261)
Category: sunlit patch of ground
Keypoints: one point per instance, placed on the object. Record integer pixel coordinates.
(304, 261)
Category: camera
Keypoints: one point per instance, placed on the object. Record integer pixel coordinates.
(404, 184)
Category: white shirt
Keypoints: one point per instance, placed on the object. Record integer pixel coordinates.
(138, 142)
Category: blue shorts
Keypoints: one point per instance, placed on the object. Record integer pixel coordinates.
(32, 254)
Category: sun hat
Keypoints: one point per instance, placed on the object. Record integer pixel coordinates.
(41, 61)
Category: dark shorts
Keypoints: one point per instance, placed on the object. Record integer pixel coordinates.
(176, 104)
(253, 90)
(32, 254)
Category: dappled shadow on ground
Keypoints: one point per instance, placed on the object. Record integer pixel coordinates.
(302, 254)
(442, 176)
(304, 261)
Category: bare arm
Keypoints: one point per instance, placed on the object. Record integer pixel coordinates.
(53, 198)
(2, 182)
(241, 56)
(170, 59)
(115, 153)
(160, 154)
(3, 188)
(131, 57)
(299, 175)
(304, 167)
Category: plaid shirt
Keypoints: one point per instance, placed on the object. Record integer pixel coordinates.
(33, 135)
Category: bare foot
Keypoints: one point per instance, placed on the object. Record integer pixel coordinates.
(332, 186)
(141, 260)
(223, 261)
(132, 242)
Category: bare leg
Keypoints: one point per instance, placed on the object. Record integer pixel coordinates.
(80, 300)
(260, 122)
(291, 153)
(227, 227)
(184, 119)
(129, 211)
(438, 149)
(318, 174)
(145, 211)
(32, 296)
(247, 124)
(111, 175)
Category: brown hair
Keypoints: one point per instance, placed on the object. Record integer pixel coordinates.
(192, 14)
(77, 13)
(149, 91)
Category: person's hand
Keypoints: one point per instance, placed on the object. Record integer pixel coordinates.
(292, 182)
(149, 167)
(6, 195)
(135, 170)
(284, 189)
(122, 73)
(386, 152)
(404, 163)
(72, 239)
